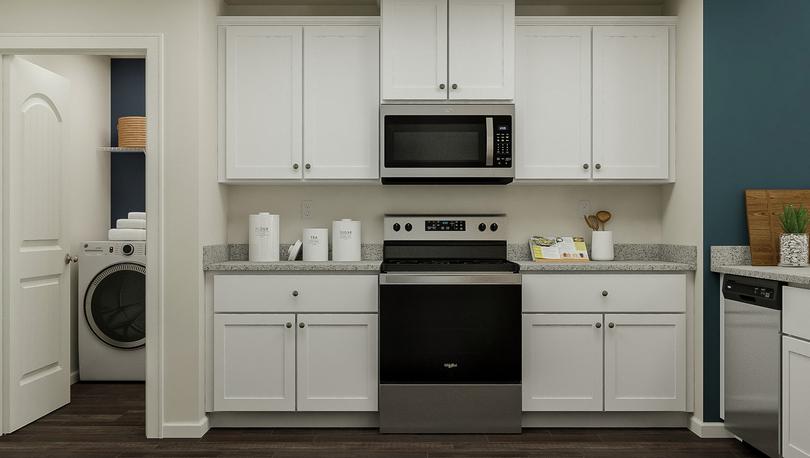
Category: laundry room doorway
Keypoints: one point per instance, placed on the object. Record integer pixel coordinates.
(81, 280)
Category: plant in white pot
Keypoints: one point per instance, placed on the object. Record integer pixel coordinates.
(793, 241)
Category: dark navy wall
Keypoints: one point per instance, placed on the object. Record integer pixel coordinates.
(127, 170)
(756, 130)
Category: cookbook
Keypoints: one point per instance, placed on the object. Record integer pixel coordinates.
(545, 248)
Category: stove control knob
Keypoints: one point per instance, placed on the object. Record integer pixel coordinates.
(493, 227)
(482, 227)
(396, 227)
(408, 227)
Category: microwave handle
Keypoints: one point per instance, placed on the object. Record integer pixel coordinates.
(490, 141)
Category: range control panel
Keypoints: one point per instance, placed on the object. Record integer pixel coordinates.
(455, 227)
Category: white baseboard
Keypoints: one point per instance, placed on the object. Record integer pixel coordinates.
(709, 430)
(74, 377)
(186, 430)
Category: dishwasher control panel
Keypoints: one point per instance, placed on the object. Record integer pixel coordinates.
(766, 293)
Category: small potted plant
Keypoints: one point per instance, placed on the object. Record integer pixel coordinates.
(793, 241)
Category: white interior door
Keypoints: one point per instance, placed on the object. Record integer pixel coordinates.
(36, 314)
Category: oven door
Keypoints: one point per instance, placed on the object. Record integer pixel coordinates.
(450, 329)
(446, 143)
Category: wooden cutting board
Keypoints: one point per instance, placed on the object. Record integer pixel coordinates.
(763, 207)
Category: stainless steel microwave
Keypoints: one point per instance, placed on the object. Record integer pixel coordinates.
(446, 144)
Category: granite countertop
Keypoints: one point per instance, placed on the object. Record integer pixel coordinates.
(616, 266)
(736, 260)
(295, 266)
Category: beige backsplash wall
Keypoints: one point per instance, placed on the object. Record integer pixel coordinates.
(531, 209)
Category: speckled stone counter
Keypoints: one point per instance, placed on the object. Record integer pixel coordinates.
(736, 260)
(294, 266)
(606, 266)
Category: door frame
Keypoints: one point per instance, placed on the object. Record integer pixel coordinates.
(149, 46)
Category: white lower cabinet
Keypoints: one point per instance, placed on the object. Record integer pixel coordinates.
(337, 362)
(562, 362)
(268, 361)
(645, 362)
(795, 398)
(254, 362)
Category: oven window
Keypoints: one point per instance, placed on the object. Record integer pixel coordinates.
(435, 141)
(450, 334)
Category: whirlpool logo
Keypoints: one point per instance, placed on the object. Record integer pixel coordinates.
(450, 365)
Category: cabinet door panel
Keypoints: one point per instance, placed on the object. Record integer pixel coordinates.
(553, 103)
(482, 49)
(263, 102)
(562, 362)
(341, 102)
(795, 398)
(645, 362)
(254, 362)
(337, 362)
(631, 102)
(414, 49)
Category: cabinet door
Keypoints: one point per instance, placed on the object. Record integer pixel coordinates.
(414, 49)
(263, 102)
(553, 103)
(482, 49)
(795, 398)
(645, 362)
(341, 102)
(254, 362)
(631, 102)
(337, 362)
(562, 362)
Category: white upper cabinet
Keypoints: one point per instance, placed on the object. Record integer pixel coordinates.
(263, 129)
(481, 49)
(553, 102)
(448, 49)
(414, 42)
(341, 102)
(631, 88)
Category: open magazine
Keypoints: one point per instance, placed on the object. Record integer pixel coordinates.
(558, 248)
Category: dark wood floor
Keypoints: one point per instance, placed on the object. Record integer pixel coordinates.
(108, 420)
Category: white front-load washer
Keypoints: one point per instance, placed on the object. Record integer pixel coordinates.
(112, 310)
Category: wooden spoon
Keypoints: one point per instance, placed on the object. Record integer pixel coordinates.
(592, 222)
(603, 217)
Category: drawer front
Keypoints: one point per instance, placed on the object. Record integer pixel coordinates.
(295, 293)
(796, 312)
(562, 293)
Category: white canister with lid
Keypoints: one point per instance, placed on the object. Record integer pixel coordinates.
(263, 237)
(345, 240)
(316, 244)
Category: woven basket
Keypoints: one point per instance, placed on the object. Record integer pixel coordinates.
(132, 132)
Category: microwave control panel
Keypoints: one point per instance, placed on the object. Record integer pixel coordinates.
(503, 141)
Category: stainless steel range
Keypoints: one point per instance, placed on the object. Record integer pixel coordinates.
(450, 326)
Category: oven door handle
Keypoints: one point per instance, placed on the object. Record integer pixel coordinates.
(450, 279)
(490, 141)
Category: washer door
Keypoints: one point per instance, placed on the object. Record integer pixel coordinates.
(115, 305)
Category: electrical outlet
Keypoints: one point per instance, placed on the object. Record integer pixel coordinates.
(585, 207)
(306, 209)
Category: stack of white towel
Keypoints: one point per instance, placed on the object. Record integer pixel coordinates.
(131, 228)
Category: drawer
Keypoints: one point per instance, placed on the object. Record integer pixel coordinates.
(295, 293)
(604, 293)
(796, 312)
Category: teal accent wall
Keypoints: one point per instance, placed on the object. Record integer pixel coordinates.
(756, 130)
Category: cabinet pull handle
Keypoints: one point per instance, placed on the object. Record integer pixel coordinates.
(301, 325)
(611, 325)
(442, 86)
(289, 325)
(295, 293)
(295, 166)
(597, 325)
(586, 166)
(308, 166)
(598, 166)
(604, 293)
(454, 86)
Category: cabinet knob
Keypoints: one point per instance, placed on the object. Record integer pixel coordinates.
(598, 166)
(308, 166)
(289, 325)
(301, 325)
(586, 166)
(295, 293)
(295, 166)
(442, 86)
(604, 293)
(454, 86)
(611, 325)
(597, 325)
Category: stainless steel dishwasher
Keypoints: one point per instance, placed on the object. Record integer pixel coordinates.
(753, 323)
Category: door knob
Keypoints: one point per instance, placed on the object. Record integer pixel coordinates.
(295, 166)
(442, 86)
(611, 325)
(604, 293)
(308, 166)
(586, 166)
(301, 325)
(598, 166)
(454, 86)
(598, 325)
(289, 325)
(295, 293)
(69, 259)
